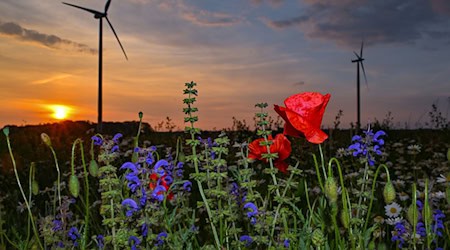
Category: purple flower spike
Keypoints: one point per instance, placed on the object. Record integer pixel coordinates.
(131, 206)
(159, 167)
(129, 165)
(247, 239)
(187, 186)
(117, 137)
(133, 241)
(158, 193)
(253, 209)
(97, 140)
(160, 239)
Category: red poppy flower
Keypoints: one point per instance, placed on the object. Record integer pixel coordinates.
(280, 145)
(303, 115)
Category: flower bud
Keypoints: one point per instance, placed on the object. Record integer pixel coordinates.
(345, 219)
(412, 214)
(74, 186)
(427, 213)
(389, 193)
(318, 238)
(46, 139)
(372, 245)
(93, 168)
(141, 115)
(448, 154)
(6, 131)
(181, 157)
(35, 187)
(331, 189)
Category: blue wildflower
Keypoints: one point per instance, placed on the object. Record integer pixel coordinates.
(160, 239)
(247, 239)
(57, 225)
(253, 209)
(60, 244)
(143, 199)
(117, 137)
(114, 149)
(398, 234)
(187, 186)
(438, 223)
(158, 193)
(97, 140)
(74, 235)
(100, 241)
(286, 243)
(144, 230)
(368, 146)
(131, 166)
(420, 229)
(131, 206)
(133, 241)
(158, 168)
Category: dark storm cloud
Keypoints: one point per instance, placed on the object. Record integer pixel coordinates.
(51, 41)
(382, 21)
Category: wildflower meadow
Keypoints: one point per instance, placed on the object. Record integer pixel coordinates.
(288, 188)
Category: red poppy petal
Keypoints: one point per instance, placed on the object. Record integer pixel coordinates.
(288, 128)
(282, 146)
(282, 166)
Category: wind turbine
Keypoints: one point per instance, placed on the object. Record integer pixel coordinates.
(100, 15)
(359, 61)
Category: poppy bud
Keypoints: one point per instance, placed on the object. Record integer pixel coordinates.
(412, 214)
(93, 168)
(141, 115)
(6, 131)
(427, 213)
(331, 189)
(181, 157)
(35, 187)
(389, 193)
(74, 186)
(372, 245)
(345, 219)
(46, 139)
(135, 157)
(317, 237)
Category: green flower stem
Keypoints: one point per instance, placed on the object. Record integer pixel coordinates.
(58, 180)
(414, 221)
(30, 180)
(426, 218)
(319, 178)
(373, 191)
(322, 161)
(195, 161)
(363, 189)
(86, 189)
(282, 196)
(36, 234)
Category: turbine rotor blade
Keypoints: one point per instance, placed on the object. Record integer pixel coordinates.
(115, 34)
(107, 6)
(362, 45)
(85, 9)
(364, 73)
(357, 56)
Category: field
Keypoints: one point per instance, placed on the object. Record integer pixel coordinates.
(65, 187)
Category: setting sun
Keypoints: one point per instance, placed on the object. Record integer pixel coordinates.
(60, 112)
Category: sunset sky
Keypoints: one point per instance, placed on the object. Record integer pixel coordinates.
(240, 52)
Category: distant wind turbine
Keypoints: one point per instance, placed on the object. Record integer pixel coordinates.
(359, 61)
(100, 15)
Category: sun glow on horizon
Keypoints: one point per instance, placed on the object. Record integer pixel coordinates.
(60, 112)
